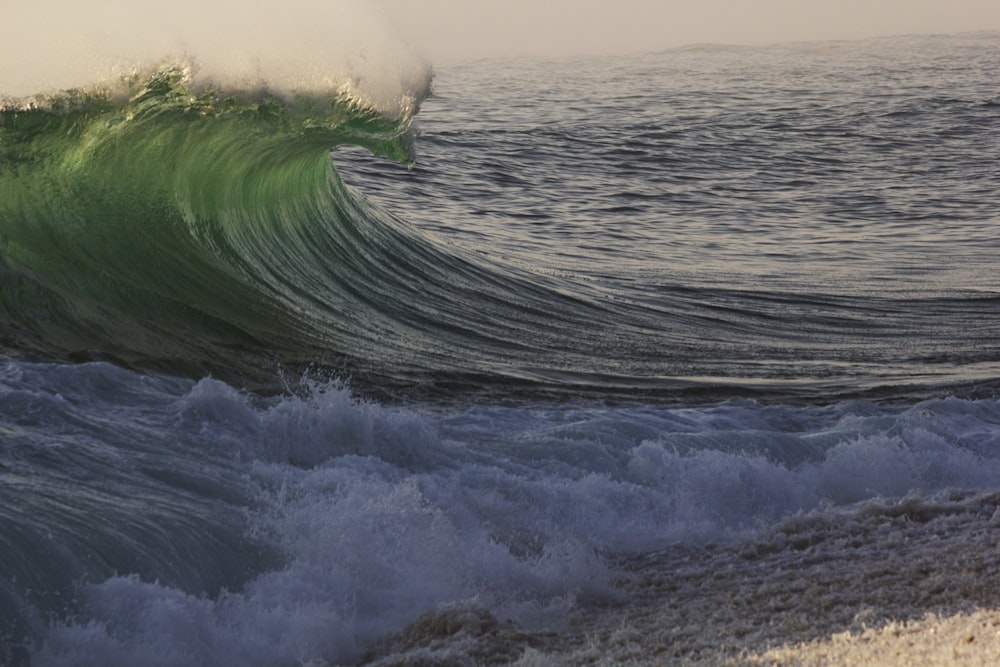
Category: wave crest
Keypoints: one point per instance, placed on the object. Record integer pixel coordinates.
(340, 107)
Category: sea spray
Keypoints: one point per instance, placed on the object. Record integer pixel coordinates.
(307, 46)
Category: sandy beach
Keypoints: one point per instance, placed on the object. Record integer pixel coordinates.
(964, 639)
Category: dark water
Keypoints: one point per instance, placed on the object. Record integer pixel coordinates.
(615, 305)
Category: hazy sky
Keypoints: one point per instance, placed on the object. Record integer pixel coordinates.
(54, 44)
(448, 30)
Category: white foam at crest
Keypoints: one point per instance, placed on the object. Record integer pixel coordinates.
(332, 47)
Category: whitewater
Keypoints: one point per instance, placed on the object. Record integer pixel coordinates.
(684, 357)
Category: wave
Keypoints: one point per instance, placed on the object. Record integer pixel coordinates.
(178, 226)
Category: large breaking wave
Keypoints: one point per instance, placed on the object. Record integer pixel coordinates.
(160, 224)
(176, 224)
(191, 229)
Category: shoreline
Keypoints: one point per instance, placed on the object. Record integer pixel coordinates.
(822, 584)
(916, 579)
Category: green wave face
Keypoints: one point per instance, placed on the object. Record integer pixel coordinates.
(177, 229)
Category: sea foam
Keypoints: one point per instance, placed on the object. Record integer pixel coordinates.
(361, 517)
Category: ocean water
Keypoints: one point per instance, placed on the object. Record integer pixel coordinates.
(435, 395)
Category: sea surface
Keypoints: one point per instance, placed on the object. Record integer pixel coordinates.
(266, 404)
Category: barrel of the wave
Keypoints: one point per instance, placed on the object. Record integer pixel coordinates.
(151, 222)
